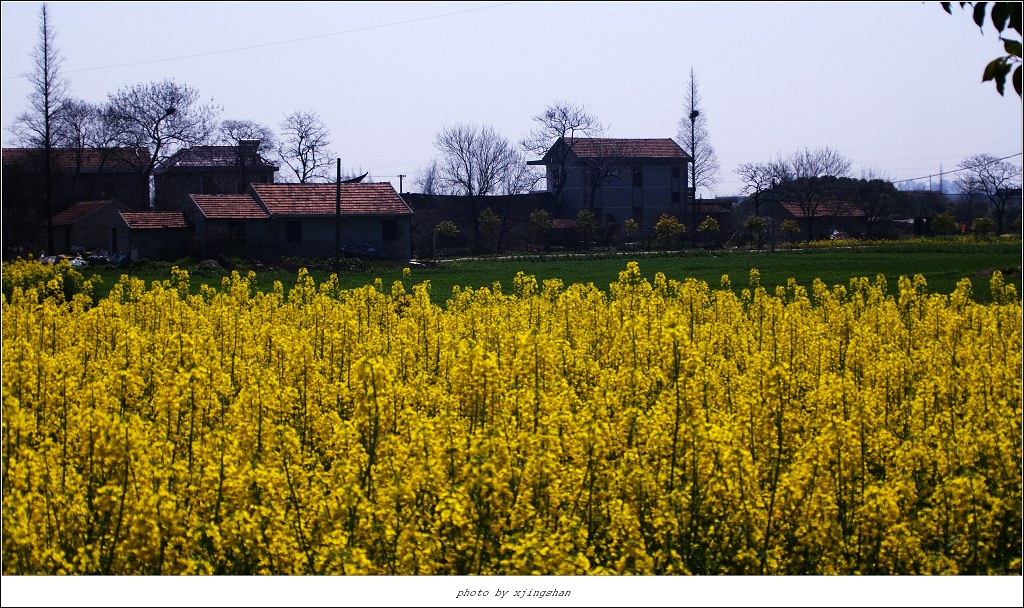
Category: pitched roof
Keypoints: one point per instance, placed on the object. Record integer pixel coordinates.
(78, 211)
(318, 199)
(90, 160)
(229, 206)
(826, 209)
(154, 220)
(604, 147)
(210, 157)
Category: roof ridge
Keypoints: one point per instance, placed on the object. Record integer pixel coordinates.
(626, 138)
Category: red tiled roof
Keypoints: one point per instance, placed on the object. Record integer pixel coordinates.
(92, 159)
(318, 199)
(828, 209)
(207, 157)
(603, 147)
(153, 220)
(78, 211)
(229, 206)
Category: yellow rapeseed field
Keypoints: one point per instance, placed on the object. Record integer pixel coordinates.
(648, 428)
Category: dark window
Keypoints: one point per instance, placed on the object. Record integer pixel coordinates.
(389, 230)
(208, 184)
(556, 177)
(638, 177)
(675, 172)
(293, 232)
(675, 197)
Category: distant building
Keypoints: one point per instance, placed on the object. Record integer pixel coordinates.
(617, 179)
(824, 219)
(77, 174)
(209, 170)
(154, 235)
(88, 226)
(302, 220)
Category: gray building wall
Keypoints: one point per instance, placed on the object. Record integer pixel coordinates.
(94, 232)
(154, 243)
(311, 237)
(621, 196)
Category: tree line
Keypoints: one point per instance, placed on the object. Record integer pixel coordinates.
(473, 160)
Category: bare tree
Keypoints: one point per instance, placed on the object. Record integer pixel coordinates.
(428, 181)
(82, 130)
(162, 116)
(36, 128)
(252, 143)
(986, 176)
(79, 124)
(232, 132)
(561, 120)
(303, 146)
(693, 135)
(757, 179)
(474, 161)
(518, 178)
(875, 196)
(809, 179)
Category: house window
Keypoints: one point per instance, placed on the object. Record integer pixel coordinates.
(293, 232)
(555, 177)
(389, 230)
(675, 172)
(638, 177)
(208, 184)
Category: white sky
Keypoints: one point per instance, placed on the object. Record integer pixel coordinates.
(894, 86)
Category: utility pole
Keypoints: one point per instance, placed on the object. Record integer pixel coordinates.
(400, 176)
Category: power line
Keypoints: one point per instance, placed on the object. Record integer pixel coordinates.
(281, 42)
(943, 173)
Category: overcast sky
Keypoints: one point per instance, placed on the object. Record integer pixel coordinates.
(895, 87)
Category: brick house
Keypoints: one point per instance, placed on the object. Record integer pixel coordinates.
(823, 219)
(301, 220)
(228, 224)
(155, 235)
(88, 226)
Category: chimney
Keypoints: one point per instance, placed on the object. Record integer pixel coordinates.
(248, 147)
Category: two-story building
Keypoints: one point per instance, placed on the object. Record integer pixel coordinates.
(617, 179)
(210, 170)
(76, 174)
